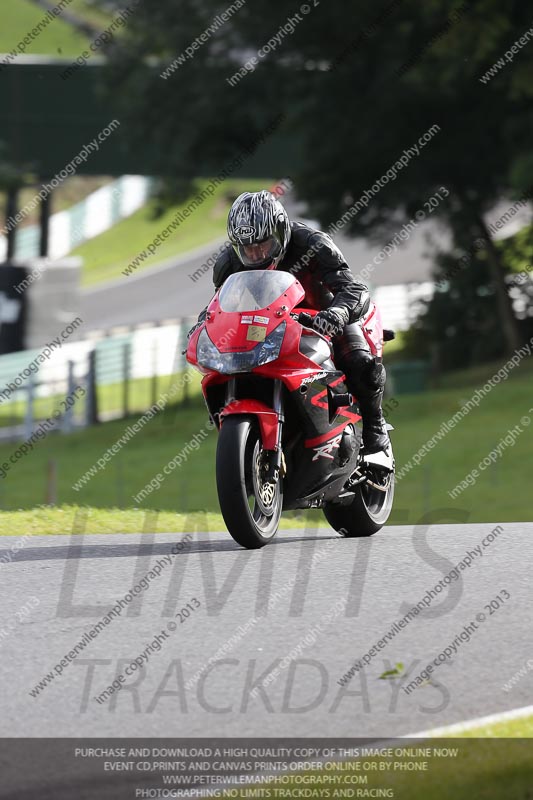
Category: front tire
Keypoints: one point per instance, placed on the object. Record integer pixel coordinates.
(251, 507)
(366, 514)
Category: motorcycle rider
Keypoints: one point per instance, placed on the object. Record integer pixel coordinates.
(263, 237)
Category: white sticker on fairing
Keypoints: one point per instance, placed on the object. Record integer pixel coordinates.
(247, 320)
(325, 451)
(262, 320)
(313, 378)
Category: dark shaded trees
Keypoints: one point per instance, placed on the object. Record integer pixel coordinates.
(357, 86)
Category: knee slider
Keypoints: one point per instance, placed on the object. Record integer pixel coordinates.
(365, 372)
(377, 374)
(355, 365)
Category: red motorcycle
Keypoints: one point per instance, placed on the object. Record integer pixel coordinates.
(289, 431)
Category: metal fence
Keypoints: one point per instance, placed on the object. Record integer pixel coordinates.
(106, 376)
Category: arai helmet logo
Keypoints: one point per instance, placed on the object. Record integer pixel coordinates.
(245, 231)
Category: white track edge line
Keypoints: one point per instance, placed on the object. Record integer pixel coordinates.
(467, 725)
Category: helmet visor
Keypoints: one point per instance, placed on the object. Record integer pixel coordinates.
(259, 254)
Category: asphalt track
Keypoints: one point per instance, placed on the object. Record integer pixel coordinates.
(167, 290)
(361, 584)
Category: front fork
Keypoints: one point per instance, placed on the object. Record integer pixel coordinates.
(275, 462)
(273, 459)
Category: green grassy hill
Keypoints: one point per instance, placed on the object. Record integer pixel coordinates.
(58, 39)
(501, 494)
(105, 256)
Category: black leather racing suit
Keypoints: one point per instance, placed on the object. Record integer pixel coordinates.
(319, 265)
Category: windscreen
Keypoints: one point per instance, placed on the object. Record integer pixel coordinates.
(250, 291)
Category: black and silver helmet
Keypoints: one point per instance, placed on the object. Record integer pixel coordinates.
(259, 229)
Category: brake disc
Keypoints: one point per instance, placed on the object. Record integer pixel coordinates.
(264, 491)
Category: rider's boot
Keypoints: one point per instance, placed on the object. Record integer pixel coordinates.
(375, 435)
(365, 377)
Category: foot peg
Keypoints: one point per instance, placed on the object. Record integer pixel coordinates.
(383, 461)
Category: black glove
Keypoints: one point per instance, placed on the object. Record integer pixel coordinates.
(331, 322)
(194, 328)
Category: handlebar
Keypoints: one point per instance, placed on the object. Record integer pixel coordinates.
(305, 319)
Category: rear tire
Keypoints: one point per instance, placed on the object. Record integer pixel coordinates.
(366, 514)
(251, 520)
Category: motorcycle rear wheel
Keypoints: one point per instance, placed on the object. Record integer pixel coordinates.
(251, 508)
(365, 514)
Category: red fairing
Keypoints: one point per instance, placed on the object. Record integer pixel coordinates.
(190, 353)
(241, 331)
(267, 418)
(373, 330)
(230, 332)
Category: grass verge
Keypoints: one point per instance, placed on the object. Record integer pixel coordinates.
(507, 729)
(64, 520)
(484, 769)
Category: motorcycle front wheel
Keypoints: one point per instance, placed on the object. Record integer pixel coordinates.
(251, 506)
